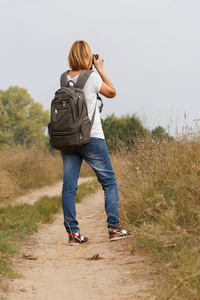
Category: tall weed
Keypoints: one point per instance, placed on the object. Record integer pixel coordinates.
(160, 191)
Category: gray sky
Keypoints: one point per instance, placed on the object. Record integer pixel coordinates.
(151, 50)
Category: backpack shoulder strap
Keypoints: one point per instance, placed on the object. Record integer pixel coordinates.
(82, 78)
(63, 80)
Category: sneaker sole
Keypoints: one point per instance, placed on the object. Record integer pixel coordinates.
(76, 244)
(118, 238)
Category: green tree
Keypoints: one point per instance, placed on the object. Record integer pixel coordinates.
(22, 121)
(124, 130)
(160, 133)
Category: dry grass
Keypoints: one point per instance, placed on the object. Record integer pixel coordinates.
(22, 169)
(159, 184)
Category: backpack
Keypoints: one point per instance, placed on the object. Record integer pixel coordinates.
(70, 125)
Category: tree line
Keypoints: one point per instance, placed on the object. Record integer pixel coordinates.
(23, 122)
(125, 130)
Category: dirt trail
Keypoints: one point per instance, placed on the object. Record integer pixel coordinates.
(51, 269)
(52, 190)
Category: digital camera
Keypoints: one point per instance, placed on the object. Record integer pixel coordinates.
(96, 57)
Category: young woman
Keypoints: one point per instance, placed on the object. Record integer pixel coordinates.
(95, 152)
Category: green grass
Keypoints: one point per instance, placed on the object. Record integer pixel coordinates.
(87, 188)
(18, 222)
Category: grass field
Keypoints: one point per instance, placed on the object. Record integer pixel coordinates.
(159, 184)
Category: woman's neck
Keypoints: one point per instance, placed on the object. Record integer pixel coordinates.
(74, 73)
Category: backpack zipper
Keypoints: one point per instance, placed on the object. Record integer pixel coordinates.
(61, 134)
(79, 91)
(81, 133)
(79, 97)
(61, 101)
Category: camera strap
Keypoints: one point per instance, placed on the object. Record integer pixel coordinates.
(101, 103)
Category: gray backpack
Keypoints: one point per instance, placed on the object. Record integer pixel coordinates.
(70, 125)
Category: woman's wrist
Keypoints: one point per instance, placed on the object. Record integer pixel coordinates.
(100, 71)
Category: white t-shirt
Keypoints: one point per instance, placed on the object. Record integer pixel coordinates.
(91, 88)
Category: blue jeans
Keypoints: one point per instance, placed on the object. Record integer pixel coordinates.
(95, 153)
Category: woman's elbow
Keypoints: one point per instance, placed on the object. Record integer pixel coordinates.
(112, 94)
(108, 92)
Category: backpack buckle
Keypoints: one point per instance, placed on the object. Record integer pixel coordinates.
(71, 83)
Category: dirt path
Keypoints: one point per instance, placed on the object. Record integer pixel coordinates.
(51, 269)
(50, 191)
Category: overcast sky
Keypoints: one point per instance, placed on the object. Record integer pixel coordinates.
(151, 51)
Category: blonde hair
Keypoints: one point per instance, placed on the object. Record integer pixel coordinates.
(80, 56)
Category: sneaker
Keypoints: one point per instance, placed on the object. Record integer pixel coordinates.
(117, 234)
(77, 238)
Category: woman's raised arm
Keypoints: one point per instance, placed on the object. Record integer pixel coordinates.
(107, 88)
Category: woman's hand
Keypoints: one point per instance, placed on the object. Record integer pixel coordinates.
(98, 63)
